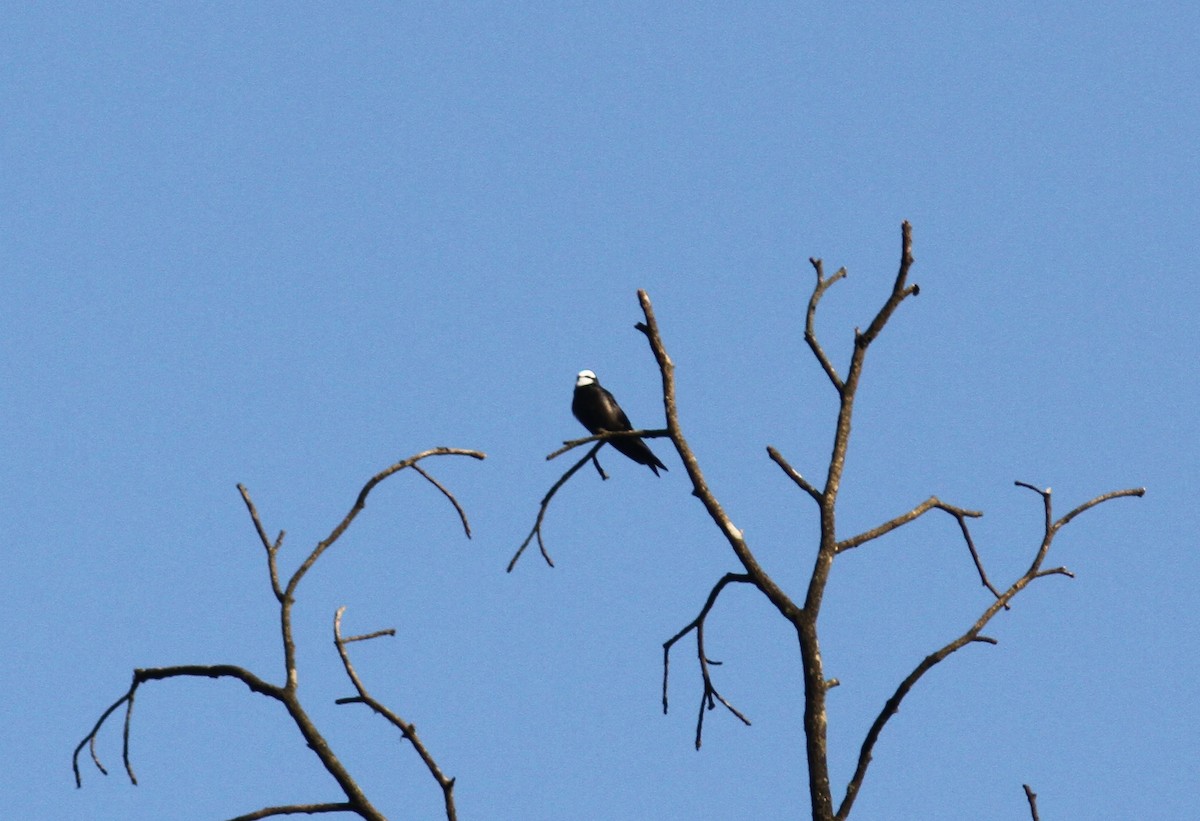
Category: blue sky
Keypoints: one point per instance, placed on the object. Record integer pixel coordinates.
(289, 244)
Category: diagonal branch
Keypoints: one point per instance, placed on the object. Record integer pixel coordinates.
(272, 549)
(794, 474)
(545, 504)
(407, 729)
(462, 514)
(709, 696)
(1031, 797)
(700, 488)
(361, 502)
(599, 439)
(972, 634)
(932, 503)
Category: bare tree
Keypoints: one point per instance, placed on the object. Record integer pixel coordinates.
(355, 801)
(802, 611)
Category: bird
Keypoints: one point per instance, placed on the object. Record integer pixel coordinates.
(597, 411)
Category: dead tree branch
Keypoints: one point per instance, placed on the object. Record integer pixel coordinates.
(972, 634)
(295, 809)
(709, 696)
(932, 503)
(286, 694)
(794, 475)
(810, 332)
(700, 489)
(1031, 797)
(545, 505)
(599, 439)
(407, 729)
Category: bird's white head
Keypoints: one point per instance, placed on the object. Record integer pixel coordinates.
(585, 378)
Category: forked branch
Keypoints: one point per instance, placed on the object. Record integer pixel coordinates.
(932, 503)
(287, 694)
(140, 677)
(543, 506)
(973, 634)
(709, 696)
(407, 729)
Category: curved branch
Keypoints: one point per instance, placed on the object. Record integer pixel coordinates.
(932, 503)
(1088, 505)
(972, 634)
(709, 695)
(361, 502)
(408, 730)
(810, 333)
(545, 504)
(140, 677)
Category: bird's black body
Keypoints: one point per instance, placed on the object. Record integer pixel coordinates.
(596, 409)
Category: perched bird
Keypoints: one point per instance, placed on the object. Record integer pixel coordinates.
(596, 409)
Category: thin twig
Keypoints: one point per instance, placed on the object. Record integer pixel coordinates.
(272, 549)
(462, 514)
(1031, 797)
(606, 435)
(295, 809)
(810, 332)
(407, 729)
(709, 693)
(545, 504)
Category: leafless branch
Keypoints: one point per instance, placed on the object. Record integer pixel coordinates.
(462, 514)
(1031, 796)
(700, 488)
(709, 694)
(972, 634)
(810, 333)
(272, 549)
(604, 436)
(545, 504)
(287, 694)
(140, 677)
(361, 502)
(599, 439)
(407, 729)
(295, 809)
(932, 503)
(390, 631)
(794, 474)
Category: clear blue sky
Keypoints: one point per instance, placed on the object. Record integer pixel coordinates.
(289, 244)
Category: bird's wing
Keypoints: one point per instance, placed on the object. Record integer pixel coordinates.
(616, 412)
